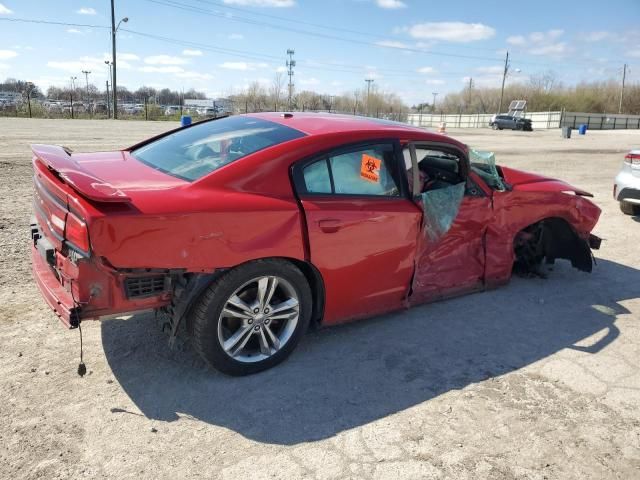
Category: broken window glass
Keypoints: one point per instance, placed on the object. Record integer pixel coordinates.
(440, 209)
(484, 164)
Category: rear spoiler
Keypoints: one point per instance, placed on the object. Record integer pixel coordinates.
(57, 159)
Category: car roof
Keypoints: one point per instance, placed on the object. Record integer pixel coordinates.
(324, 123)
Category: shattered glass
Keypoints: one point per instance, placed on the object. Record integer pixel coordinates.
(440, 208)
(484, 164)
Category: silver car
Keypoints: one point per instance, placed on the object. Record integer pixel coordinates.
(626, 189)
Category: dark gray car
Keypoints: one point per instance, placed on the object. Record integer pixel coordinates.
(499, 122)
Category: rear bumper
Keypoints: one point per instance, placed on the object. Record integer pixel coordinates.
(53, 292)
(627, 186)
(84, 289)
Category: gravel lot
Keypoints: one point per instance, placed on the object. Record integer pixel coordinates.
(537, 380)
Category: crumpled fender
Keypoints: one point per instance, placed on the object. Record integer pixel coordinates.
(532, 182)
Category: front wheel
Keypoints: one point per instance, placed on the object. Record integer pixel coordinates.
(252, 317)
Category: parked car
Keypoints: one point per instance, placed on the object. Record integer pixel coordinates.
(499, 122)
(172, 110)
(626, 188)
(249, 228)
(207, 111)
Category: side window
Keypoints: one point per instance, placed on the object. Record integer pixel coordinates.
(436, 168)
(366, 171)
(316, 177)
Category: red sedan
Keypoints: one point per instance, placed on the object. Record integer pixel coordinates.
(247, 229)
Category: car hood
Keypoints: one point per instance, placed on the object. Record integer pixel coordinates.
(104, 176)
(527, 181)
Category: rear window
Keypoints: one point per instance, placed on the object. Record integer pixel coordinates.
(194, 152)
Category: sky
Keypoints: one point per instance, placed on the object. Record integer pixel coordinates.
(410, 47)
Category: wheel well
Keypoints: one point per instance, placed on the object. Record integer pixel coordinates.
(551, 238)
(316, 284)
(310, 272)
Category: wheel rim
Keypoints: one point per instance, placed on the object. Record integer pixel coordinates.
(258, 319)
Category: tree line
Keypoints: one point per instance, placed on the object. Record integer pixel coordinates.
(543, 93)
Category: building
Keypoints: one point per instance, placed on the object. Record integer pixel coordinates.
(11, 98)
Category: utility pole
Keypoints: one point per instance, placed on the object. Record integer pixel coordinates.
(290, 64)
(114, 87)
(433, 105)
(624, 77)
(504, 77)
(86, 78)
(470, 89)
(369, 82)
(73, 87)
(108, 101)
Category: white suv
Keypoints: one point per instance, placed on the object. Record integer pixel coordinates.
(626, 188)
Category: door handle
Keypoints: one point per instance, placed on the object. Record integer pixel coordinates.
(329, 225)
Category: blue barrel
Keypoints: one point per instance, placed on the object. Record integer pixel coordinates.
(185, 120)
(582, 129)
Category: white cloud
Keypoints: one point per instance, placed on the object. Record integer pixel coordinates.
(194, 75)
(391, 44)
(426, 70)
(309, 81)
(75, 31)
(635, 53)
(72, 66)
(391, 4)
(262, 3)
(192, 53)
(494, 69)
(596, 36)
(517, 40)
(165, 69)
(4, 10)
(242, 65)
(236, 36)
(554, 49)
(281, 69)
(164, 60)
(125, 56)
(434, 81)
(451, 31)
(86, 11)
(7, 54)
(543, 43)
(4, 66)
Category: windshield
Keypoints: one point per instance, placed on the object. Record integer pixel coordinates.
(194, 152)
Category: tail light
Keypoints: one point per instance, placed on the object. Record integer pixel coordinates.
(76, 232)
(632, 158)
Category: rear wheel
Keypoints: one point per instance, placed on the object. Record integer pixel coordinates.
(252, 318)
(629, 208)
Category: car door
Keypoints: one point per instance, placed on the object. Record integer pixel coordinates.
(450, 257)
(362, 227)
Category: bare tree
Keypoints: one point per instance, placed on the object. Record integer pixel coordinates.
(276, 89)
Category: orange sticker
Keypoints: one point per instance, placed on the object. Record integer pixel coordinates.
(370, 168)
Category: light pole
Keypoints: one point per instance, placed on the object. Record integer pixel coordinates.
(433, 105)
(114, 30)
(107, 62)
(73, 87)
(86, 78)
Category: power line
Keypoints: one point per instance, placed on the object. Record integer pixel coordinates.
(48, 22)
(236, 18)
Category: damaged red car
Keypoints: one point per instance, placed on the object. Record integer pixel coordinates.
(245, 230)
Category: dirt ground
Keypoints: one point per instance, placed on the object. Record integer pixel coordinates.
(537, 380)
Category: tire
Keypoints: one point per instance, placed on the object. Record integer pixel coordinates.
(629, 208)
(212, 327)
(494, 126)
